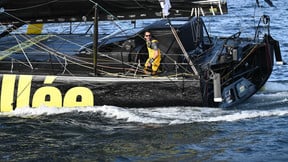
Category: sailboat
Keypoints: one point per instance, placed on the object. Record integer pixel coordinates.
(75, 70)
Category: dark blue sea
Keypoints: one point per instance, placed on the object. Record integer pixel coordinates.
(253, 131)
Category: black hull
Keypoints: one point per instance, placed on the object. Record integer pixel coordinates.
(55, 74)
(242, 80)
(65, 91)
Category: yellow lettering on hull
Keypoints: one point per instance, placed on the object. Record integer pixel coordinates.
(24, 89)
(49, 79)
(78, 96)
(24, 93)
(7, 93)
(47, 96)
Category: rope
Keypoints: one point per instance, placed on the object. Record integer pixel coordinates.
(30, 7)
(235, 67)
(109, 13)
(56, 53)
(183, 49)
(75, 60)
(65, 65)
(23, 52)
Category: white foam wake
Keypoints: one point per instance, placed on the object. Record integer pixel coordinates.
(164, 115)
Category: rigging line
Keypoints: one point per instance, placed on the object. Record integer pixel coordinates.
(73, 26)
(110, 74)
(51, 51)
(110, 14)
(67, 69)
(31, 7)
(61, 45)
(180, 65)
(171, 59)
(63, 56)
(119, 61)
(28, 59)
(169, 77)
(91, 68)
(139, 4)
(61, 37)
(56, 53)
(70, 60)
(85, 61)
(76, 26)
(21, 62)
(65, 66)
(138, 65)
(14, 17)
(97, 5)
(19, 44)
(37, 27)
(244, 59)
(183, 49)
(69, 41)
(167, 54)
(28, 23)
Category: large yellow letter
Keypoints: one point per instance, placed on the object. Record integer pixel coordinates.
(47, 96)
(24, 89)
(78, 96)
(7, 93)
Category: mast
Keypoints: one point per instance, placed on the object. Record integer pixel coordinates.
(95, 39)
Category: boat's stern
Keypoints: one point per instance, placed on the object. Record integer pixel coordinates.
(242, 69)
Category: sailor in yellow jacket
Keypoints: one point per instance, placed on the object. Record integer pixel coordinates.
(153, 62)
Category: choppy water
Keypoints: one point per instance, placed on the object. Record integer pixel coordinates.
(253, 131)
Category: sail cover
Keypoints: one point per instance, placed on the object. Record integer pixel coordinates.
(13, 11)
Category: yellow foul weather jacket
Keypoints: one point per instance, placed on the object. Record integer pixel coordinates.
(151, 50)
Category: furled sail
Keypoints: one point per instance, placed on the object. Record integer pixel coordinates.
(41, 11)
